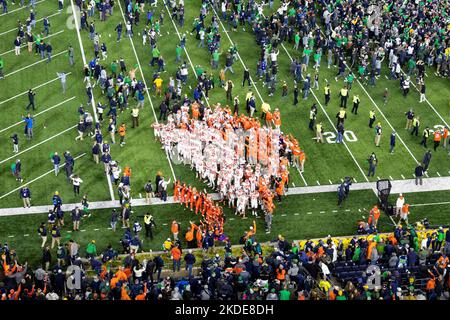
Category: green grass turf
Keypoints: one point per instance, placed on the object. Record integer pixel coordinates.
(314, 218)
(327, 162)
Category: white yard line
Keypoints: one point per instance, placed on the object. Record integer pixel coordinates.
(331, 122)
(31, 181)
(25, 45)
(39, 113)
(20, 8)
(429, 204)
(38, 144)
(94, 108)
(34, 88)
(16, 29)
(33, 64)
(146, 87)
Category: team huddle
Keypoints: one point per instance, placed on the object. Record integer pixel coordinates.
(234, 154)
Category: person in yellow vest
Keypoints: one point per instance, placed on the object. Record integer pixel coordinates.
(344, 96)
(437, 139)
(372, 118)
(319, 132)
(341, 116)
(327, 92)
(415, 126)
(265, 107)
(356, 101)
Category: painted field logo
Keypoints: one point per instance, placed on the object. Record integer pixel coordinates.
(74, 13)
(373, 277)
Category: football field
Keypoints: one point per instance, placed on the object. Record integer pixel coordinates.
(299, 216)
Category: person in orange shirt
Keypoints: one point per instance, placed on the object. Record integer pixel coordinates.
(190, 235)
(405, 213)
(187, 197)
(198, 203)
(279, 188)
(143, 294)
(122, 134)
(437, 139)
(123, 293)
(183, 192)
(175, 229)
(176, 258)
(277, 118)
(445, 137)
(269, 118)
(374, 216)
(281, 273)
(120, 274)
(176, 191)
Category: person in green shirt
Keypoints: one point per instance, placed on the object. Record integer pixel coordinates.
(114, 68)
(350, 78)
(306, 53)
(285, 294)
(198, 70)
(155, 56)
(1, 68)
(215, 59)
(317, 58)
(91, 250)
(178, 51)
(297, 40)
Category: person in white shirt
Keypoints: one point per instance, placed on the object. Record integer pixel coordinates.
(76, 181)
(399, 204)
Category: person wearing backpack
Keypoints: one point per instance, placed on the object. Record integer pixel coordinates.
(148, 191)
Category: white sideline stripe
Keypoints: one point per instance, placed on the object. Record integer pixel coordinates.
(398, 186)
(28, 183)
(390, 177)
(318, 182)
(25, 92)
(20, 8)
(185, 50)
(426, 99)
(243, 64)
(330, 181)
(94, 108)
(16, 29)
(403, 177)
(296, 214)
(429, 204)
(376, 106)
(25, 45)
(39, 113)
(38, 144)
(438, 173)
(33, 64)
(331, 122)
(146, 87)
